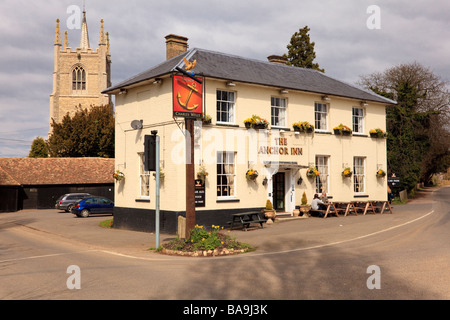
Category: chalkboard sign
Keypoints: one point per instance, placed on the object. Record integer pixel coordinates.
(395, 182)
(200, 194)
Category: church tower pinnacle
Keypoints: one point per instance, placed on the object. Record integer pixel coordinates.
(84, 43)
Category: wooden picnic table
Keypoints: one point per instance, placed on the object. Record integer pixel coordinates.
(245, 219)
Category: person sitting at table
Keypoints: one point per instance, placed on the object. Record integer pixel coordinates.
(324, 198)
(318, 204)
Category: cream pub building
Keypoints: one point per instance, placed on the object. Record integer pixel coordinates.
(234, 90)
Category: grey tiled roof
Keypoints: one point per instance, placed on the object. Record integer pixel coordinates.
(229, 67)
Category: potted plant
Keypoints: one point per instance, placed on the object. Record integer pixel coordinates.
(269, 212)
(304, 208)
(202, 173)
(312, 172)
(248, 122)
(119, 176)
(304, 126)
(206, 119)
(381, 173)
(251, 175)
(342, 130)
(377, 133)
(161, 175)
(347, 173)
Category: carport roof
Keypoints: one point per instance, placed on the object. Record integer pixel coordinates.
(55, 171)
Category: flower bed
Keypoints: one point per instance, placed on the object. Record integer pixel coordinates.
(203, 243)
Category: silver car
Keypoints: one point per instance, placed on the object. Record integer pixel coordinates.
(67, 201)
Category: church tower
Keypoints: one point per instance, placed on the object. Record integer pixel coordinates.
(79, 75)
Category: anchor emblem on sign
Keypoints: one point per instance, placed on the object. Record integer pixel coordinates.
(185, 105)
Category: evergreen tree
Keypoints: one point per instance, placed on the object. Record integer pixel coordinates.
(301, 51)
(38, 148)
(89, 133)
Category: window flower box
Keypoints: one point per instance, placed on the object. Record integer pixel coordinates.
(342, 130)
(304, 126)
(206, 119)
(256, 122)
(377, 133)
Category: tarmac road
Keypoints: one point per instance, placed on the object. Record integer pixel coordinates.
(312, 258)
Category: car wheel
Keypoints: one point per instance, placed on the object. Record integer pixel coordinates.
(85, 213)
(69, 208)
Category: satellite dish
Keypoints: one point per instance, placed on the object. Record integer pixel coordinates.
(137, 124)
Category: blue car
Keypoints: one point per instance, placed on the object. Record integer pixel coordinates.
(92, 205)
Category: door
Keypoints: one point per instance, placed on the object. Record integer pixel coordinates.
(279, 192)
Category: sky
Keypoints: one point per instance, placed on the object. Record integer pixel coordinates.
(352, 38)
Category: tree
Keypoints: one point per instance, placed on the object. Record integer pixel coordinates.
(301, 51)
(89, 133)
(38, 148)
(418, 139)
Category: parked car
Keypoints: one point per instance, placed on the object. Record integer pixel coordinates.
(67, 201)
(92, 205)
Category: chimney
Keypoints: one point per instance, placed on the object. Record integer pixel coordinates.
(277, 59)
(175, 45)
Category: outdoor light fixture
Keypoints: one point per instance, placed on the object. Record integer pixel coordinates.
(364, 104)
(265, 181)
(284, 91)
(123, 91)
(326, 98)
(158, 81)
(231, 84)
(300, 181)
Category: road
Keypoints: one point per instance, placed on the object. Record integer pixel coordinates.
(323, 259)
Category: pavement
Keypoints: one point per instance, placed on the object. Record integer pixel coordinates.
(284, 235)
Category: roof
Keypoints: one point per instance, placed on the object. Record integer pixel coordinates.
(234, 68)
(55, 171)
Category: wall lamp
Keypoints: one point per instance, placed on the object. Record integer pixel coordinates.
(364, 104)
(300, 181)
(284, 91)
(326, 98)
(123, 91)
(231, 84)
(158, 81)
(265, 181)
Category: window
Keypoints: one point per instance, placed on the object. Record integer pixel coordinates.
(78, 79)
(278, 110)
(144, 179)
(322, 179)
(358, 174)
(321, 115)
(225, 106)
(358, 120)
(226, 173)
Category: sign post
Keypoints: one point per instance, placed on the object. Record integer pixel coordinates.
(188, 104)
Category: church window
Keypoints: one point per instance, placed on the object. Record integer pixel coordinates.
(78, 79)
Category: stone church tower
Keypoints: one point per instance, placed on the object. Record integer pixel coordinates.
(80, 75)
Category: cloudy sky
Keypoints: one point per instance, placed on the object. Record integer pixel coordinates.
(408, 31)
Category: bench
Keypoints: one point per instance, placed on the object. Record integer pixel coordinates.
(245, 219)
(330, 209)
(362, 207)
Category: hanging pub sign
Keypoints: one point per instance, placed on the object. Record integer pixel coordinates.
(187, 97)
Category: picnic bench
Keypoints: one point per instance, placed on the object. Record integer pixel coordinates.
(245, 219)
(382, 206)
(329, 210)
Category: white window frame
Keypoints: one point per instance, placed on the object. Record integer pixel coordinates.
(229, 104)
(358, 120)
(323, 121)
(143, 176)
(323, 166)
(359, 175)
(223, 159)
(278, 112)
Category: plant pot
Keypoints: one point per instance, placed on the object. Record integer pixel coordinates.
(305, 208)
(260, 126)
(346, 133)
(270, 214)
(248, 125)
(296, 212)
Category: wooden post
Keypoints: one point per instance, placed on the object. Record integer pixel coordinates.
(190, 177)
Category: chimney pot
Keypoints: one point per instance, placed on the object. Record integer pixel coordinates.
(277, 59)
(175, 45)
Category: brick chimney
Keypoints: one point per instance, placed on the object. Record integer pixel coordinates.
(175, 45)
(277, 59)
